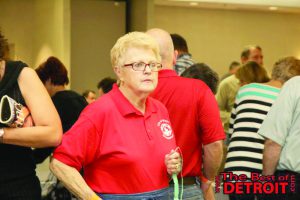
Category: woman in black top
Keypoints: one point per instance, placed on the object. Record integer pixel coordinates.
(18, 179)
(68, 103)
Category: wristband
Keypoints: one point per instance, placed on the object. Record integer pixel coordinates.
(203, 179)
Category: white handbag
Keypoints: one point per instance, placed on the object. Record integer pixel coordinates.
(14, 114)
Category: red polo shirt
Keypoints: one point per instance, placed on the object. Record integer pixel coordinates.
(194, 116)
(122, 150)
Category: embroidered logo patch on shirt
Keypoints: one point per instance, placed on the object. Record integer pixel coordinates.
(165, 128)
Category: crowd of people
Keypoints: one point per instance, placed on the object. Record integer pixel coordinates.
(165, 119)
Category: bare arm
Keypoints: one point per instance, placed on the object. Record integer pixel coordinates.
(212, 159)
(47, 130)
(72, 179)
(271, 157)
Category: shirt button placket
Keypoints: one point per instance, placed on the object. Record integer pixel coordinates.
(148, 130)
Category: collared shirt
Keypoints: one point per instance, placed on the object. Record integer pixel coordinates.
(225, 96)
(183, 62)
(282, 125)
(245, 150)
(121, 150)
(194, 116)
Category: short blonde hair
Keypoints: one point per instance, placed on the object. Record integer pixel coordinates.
(286, 68)
(251, 72)
(133, 39)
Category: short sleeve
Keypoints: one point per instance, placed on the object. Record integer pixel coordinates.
(79, 145)
(279, 119)
(209, 118)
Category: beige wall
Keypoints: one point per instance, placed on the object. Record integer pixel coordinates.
(42, 28)
(51, 31)
(16, 23)
(37, 28)
(95, 27)
(217, 37)
(141, 15)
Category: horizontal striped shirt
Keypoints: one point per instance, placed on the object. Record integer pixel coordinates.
(245, 149)
(183, 62)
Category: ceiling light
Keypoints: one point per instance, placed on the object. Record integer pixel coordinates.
(273, 8)
(193, 4)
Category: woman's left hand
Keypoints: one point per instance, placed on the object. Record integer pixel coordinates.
(173, 162)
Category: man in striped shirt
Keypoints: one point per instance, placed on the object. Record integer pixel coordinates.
(184, 58)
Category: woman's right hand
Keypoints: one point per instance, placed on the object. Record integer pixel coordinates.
(173, 162)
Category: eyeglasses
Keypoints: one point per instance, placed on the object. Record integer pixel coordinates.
(141, 66)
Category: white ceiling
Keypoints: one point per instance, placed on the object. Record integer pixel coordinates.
(291, 6)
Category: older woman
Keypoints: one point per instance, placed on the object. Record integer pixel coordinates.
(18, 180)
(251, 106)
(124, 140)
